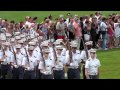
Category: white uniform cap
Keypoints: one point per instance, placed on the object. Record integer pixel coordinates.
(45, 44)
(59, 40)
(8, 35)
(31, 48)
(20, 41)
(32, 43)
(48, 41)
(59, 47)
(18, 46)
(3, 38)
(89, 43)
(22, 35)
(17, 33)
(12, 39)
(6, 43)
(34, 40)
(93, 50)
(32, 37)
(73, 42)
(74, 45)
(24, 39)
(57, 43)
(47, 51)
(17, 37)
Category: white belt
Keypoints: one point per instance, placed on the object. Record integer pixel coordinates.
(57, 69)
(73, 67)
(5, 63)
(94, 74)
(29, 69)
(47, 73)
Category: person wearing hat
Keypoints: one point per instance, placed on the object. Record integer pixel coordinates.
(46, 66)
(37, 55)
(18, 70)
(60, 63)
(6, 62)
(60, 42)
(8, 36)
(92, 66)
(44, 45)
(29, 63)
(85, 54)
(17, 38)
(22, 50)
(73, 60)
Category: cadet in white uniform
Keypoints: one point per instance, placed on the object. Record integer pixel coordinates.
(58, 42)
(2, 39)
(74, 61)
(46, 66)
(92, 66)
(85, 54)
(60, 63)
(1, 56)
(6, 61)
(37, 54)
(18, 70)
(29, 64)
(22, 49)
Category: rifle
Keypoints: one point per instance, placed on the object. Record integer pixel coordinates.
(41, 52)
(14, 54)
(85, 49)
(69, 48)
(1, 61)
(55, 55)
(27, 57)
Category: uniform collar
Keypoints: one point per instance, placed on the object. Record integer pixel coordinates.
(92, 59)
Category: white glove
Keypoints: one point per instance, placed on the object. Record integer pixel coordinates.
(72, 64)
(28, 68)
(45, 72)
(15, 66)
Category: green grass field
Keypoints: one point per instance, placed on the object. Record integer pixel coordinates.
(20, 15)
(110, 60)
(110, 64)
